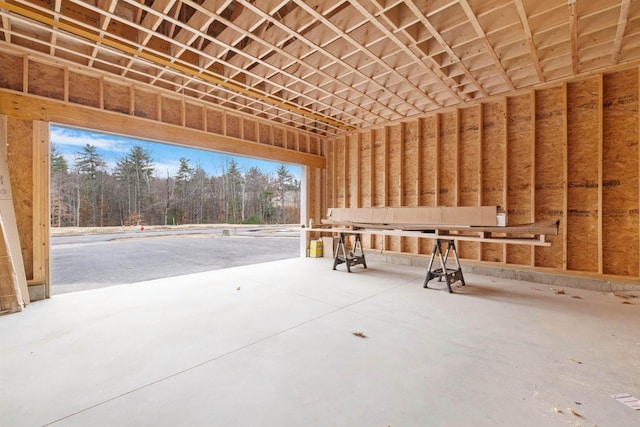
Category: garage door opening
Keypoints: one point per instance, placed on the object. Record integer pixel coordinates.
(126, 210)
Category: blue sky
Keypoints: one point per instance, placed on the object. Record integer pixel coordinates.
(165, 156)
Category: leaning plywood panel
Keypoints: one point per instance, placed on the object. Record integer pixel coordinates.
(10, 295)
(469, 171)
(550, 164)
(620, 174)
(13, 262)
(493, 167)
(519, 170)
(583, 145)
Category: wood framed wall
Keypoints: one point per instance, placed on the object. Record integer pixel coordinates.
(566, 151)
(35, 93)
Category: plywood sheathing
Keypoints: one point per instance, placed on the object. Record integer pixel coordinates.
(620, 174)
(85, 90)
(469, 175)
(520, 170)
(550, 163)
(46, 80)
(20, 157)
(117, 97)
(54, 80)
(493, 167)
(567, 151)
(584, 136)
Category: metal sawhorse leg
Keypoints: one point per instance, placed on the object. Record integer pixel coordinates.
(451, 275)
(352, 258)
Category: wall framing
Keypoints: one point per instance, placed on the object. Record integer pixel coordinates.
(567, 151)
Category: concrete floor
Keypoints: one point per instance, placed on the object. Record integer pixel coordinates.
(273, 345)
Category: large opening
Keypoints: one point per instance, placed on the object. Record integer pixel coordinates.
(125, 210)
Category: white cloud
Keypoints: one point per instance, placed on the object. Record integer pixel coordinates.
(65, 137)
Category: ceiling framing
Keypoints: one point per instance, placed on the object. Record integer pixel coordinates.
(330, 66)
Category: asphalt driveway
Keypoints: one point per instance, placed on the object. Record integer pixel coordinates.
(89, 261)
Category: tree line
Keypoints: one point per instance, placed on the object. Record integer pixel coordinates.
(86, 193)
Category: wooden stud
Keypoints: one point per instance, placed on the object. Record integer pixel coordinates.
(357, 171)
(40, 183)
(532, 94)
(66, 84)
(25, 74)
(565, 177)
(505, 168)
(436, 162)
(480, 168)
(600, 170)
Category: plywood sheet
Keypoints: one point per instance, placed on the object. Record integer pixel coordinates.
(232, 126)
(365, 170)
(380, 185)
(46, 80)
(583, 146)
(264, 134)
(194, 116)
(469, 171)
(493, 167)
(117, 97)
(394, 163)
(550, 164)
(341, 181)
(428, 162)
(84, 90)
(292, 140)
(171, 110)
(620, 174)
(145, 104)
(410, 163)
(215, 122)
(278, 137)
(520, 144)
(19, 157)
(448, 164)
(11, 71)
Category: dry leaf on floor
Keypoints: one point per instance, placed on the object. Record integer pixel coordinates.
(626, 302)
(574, 413)
(359, 334)
(559, 291)
(577, 403)
(576, 297)
(558, 411)
(574, 360)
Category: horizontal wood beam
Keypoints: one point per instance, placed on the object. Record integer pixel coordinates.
(36, 108)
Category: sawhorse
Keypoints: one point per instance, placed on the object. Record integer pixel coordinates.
(349, 258)
(451, 275)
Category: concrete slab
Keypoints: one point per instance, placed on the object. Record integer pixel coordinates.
(272, 344)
